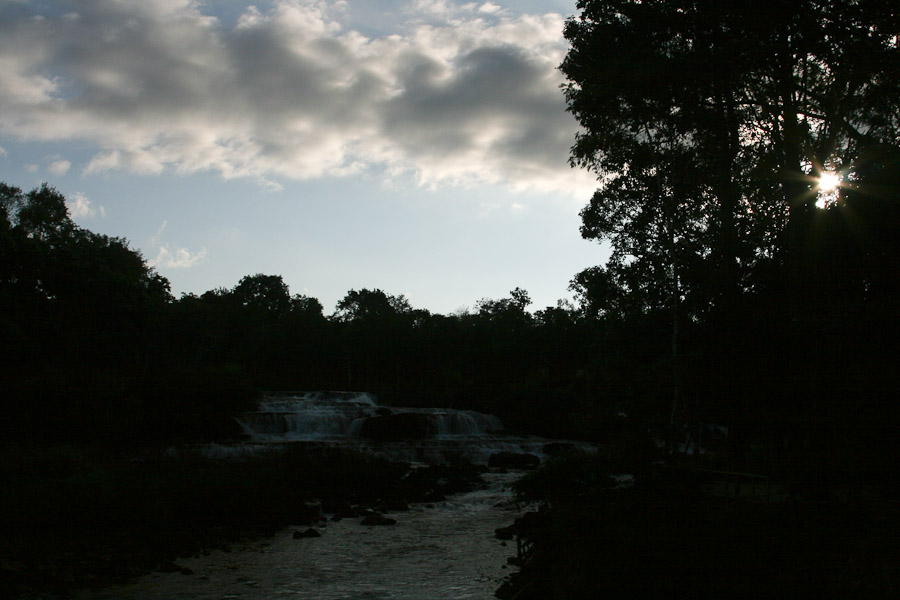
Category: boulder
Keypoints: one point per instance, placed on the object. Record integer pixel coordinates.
(340, 509)
(397, 427)
(391, 504)
(559, 448)
(168, 567)
(513, 460)
(309, 533)
(376, 519)
(308, 513)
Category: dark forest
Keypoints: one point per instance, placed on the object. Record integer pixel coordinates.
(740, 295)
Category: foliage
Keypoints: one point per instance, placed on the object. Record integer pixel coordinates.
(95, 347)
(708, 124)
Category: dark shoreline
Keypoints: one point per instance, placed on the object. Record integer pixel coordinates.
(677, 531)
(80, 518)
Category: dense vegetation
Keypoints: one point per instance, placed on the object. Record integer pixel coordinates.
(765, 300)
(738, 294)
(96, 348)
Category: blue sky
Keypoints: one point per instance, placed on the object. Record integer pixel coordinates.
(416, 146)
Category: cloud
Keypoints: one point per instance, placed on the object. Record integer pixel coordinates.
(82, 208)
(59, 167)
(173, 258)
(461, 93)
(3, 152)
(178, 258)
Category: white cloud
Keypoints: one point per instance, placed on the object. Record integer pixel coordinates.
(178, 258)
(173, 258)
(80, 207)
(3, 151)
(463, 93)
(489, 8)
(59, 167)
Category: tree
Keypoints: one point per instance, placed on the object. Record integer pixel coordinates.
(370, 305)
(376, 329)
(266, 293)
(761, 97)
(708, 124)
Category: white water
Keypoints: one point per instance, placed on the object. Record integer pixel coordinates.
(334, 419)
(445, 552)
(317, 416)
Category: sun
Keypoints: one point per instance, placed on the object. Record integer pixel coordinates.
(829, 189)
(829, 181)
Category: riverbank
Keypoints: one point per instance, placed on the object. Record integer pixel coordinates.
(671, 531)
(442, 550)
(78, 517)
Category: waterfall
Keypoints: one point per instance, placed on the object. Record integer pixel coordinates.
(354, 420)
(291, 416)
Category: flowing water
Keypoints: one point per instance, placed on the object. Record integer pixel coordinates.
(441, 550)
(444, 550)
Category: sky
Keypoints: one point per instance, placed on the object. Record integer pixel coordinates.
(415, 146)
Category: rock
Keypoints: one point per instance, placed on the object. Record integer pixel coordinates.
(397, 427)
(532, 523)
(376, 519)
(505, 533)
(310, 512)
(168, 567)
(391, 504)
(514, 460)
(186, 571)
(433, 496)
(559, 448)
(340, 509)
(309, 533)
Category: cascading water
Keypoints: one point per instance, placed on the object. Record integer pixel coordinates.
(355, 420)
(333, 415)
(307, 416)
(444, 549)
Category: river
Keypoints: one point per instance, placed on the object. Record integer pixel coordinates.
(435, 551)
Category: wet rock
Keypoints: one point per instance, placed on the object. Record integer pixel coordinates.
(340, 509)
(168, 567)
(505, 533)
(559, 448)
(513, 460)
(391, 504)
(376, 519)
(309, 533)
(310, 512)
(532, 523)
(398, 427)
(433, 496)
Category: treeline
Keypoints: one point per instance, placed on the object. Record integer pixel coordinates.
(95, 347)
